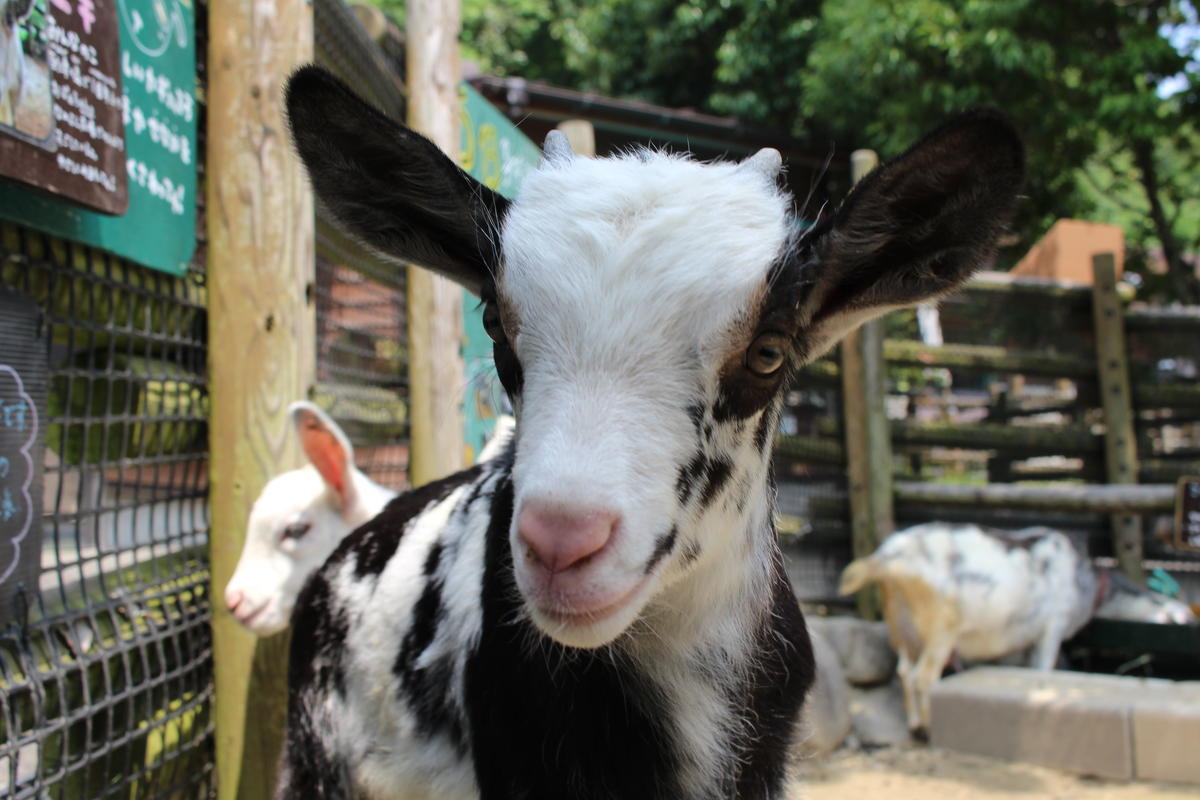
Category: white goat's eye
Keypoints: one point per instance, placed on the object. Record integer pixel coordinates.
(491, 322)
(766, 354)
(296, 530)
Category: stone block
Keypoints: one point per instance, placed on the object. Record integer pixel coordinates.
(826, 720)
(1070, 721)
(879, 716)
(863, 648)
(1165, 738)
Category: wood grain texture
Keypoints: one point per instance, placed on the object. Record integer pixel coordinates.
(261, 345)
(1120, 439)
(436, 374)
(868, 438)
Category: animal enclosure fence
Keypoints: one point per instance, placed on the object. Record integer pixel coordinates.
(1004, 425)
(106, 655)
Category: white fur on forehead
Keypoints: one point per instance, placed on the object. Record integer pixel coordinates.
(691, 242)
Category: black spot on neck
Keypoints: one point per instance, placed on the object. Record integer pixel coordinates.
(662, 548)
(716, 475)
(374, 542)
(689, 478)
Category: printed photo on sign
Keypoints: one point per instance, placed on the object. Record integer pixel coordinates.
(26, 102)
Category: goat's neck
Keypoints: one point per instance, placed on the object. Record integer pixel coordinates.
(723, 596)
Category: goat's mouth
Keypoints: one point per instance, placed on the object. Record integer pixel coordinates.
(588, 621)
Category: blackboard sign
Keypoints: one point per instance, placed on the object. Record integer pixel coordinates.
(61, 120)
(22, 433)
(158, 67)
(1187, 513)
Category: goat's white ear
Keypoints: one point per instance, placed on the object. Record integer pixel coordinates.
(767, 162)
(557, 148)
(327, 449)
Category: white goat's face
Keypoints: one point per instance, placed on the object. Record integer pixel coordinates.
(622, 450)
(292, 529)
(646, 312)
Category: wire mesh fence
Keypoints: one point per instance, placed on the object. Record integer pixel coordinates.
(362, 362)
(105, 663)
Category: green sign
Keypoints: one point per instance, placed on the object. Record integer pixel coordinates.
(158, 72)
(499, 156)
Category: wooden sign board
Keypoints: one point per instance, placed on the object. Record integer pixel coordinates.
(61, 119)
(158, 68)
(1187, 513)
(22, 437)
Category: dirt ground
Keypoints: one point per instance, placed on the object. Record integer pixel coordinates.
(922, 773)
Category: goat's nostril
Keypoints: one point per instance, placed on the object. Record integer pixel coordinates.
(558, 539)
(233, 600)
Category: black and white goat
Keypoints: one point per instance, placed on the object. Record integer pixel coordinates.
(602, 610)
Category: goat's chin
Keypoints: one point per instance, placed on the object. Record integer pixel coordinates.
(592, 627)
(267, 621)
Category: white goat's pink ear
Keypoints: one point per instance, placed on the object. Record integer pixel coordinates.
(326, 447)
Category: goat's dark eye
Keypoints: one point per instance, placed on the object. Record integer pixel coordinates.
(296, 530)
(766, 354)
(491, 322)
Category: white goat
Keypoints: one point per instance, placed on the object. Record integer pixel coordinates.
(602, 610)
(297, 521)
(985, 594)
(12, 58)
(302, 516)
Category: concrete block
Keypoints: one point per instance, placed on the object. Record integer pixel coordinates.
(879, 717)
(1165, 737)
(1056, 719)
(826, 721)
(863, 648)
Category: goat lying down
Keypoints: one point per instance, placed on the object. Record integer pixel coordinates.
(602, 611)
(985, 594)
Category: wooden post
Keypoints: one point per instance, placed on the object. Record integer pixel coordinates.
(868, 437)
(262, 346)
(436, 375)
(582, 136)
(1120, 442)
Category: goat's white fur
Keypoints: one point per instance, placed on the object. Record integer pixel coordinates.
(589, 243)
(959, 590)
(331, 496)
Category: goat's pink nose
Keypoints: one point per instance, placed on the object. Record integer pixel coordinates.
(562, 538)
(233, 600)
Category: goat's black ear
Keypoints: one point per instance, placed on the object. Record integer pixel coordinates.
(912, 230)
(389, 186)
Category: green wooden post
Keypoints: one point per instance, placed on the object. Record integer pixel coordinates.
(868, 438)
(1120, 441)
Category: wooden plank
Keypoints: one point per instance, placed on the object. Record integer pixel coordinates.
(987, 359)
(868, 441)
(581, 134)
(262, 337)
(435, 365)
(1120, 440)
(1109, 499)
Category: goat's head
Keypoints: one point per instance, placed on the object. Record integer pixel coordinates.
(646, 312)
(297, 521)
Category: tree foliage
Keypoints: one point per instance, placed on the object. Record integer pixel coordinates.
(1084, 79)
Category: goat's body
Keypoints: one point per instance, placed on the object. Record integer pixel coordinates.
(602, 611)
(980, 594)
(434, 683)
